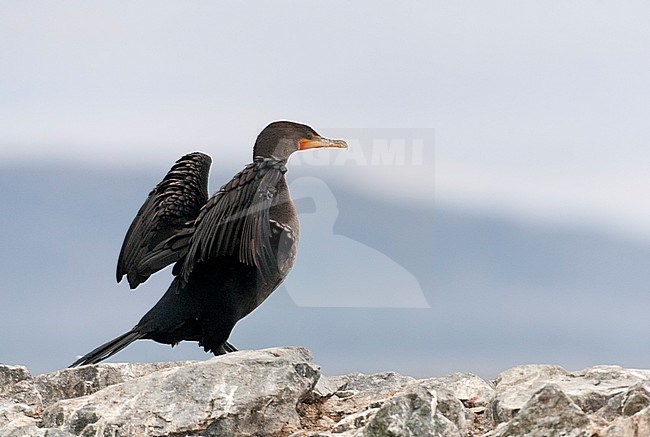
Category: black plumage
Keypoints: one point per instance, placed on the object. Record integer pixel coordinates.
(229, 252)
(174, 202)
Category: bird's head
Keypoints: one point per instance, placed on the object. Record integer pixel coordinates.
(281, 138)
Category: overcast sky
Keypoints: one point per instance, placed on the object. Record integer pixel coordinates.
(540, 109)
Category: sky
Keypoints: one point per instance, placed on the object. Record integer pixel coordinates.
(378, 284)
(539, 109)
(534, 112)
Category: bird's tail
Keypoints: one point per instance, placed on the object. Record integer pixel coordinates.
(108, 349)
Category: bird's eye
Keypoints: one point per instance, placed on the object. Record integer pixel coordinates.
(309, 136)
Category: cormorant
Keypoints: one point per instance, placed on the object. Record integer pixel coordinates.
(229, 252)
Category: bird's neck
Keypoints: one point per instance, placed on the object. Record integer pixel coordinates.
(282, 195)
(273, 157)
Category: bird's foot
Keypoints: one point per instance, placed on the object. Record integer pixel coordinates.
(225, 348)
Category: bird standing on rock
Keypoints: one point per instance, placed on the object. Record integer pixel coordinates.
(229, 252)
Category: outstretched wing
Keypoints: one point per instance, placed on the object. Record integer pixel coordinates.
(235, 221)
(174, 202)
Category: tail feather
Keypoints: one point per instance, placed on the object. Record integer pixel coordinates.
(108, 349)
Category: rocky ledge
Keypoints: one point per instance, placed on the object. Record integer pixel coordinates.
(281, 392)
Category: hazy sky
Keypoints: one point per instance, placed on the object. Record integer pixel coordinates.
(539, 109)
(533, 110)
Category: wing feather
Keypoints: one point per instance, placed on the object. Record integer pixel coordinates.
(168, 210)
(235, 221)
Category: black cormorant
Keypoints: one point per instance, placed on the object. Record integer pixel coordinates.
(229, 251)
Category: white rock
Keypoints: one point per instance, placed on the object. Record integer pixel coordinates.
(280, 392)
(549, 412)
(19, 399)
(85, 380)
(637, 425)
(244, 393)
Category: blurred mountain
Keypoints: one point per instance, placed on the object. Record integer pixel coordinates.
(499, 292)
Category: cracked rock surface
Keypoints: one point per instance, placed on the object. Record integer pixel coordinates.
(280, 392)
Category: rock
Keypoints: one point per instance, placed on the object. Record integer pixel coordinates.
(625, 404)
(463, 399)
(548, 412)
(409, 413)
(328, 386)
(280, 392)
(590, 389)
(32, 431)
(516, 386)
(346, 403)
(390, 404)
(365, 389)
(355, 421)
(471, 390)
(248, 393)
(20, 402)
(85, 380)
(451, 408)
(636, 425)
